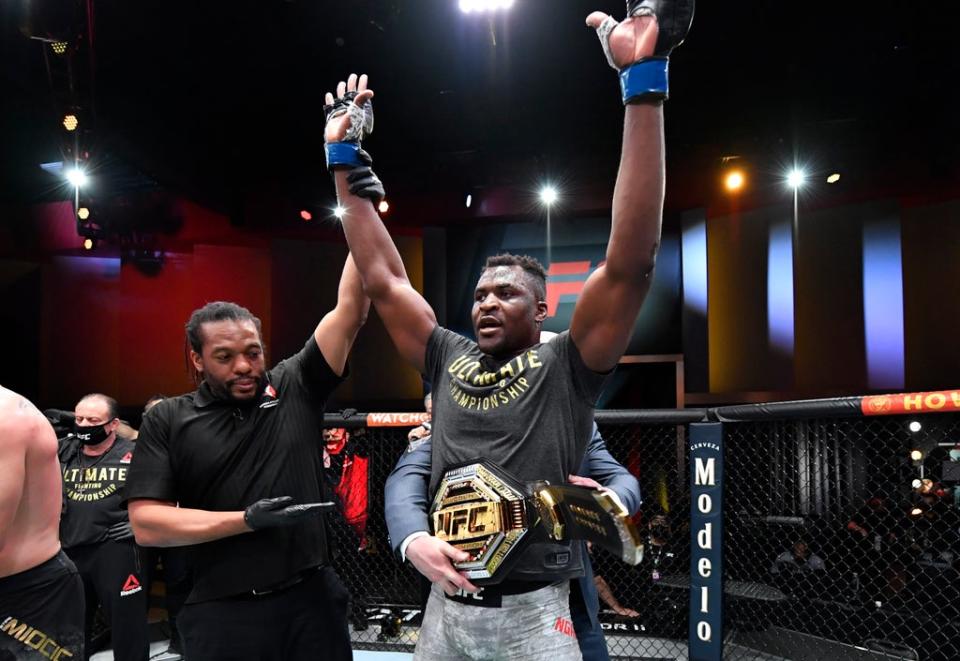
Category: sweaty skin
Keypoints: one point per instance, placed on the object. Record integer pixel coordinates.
(30, 489)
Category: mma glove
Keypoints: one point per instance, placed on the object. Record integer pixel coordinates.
(346, 152)
(646, 80)
(119, 532)
(276, 512)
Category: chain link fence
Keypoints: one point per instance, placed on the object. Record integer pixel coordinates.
(837, 543)
(856, 539)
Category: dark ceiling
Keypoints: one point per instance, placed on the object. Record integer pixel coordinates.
(216, 99)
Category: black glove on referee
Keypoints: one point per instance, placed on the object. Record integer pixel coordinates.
(120, 531)
(274, 512)
(363, 182)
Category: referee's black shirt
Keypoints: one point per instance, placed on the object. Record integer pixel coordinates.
(210, 454)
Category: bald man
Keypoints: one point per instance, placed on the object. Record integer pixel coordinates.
(95, 527)
(41, 594)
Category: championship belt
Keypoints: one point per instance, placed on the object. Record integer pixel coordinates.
(482, 509)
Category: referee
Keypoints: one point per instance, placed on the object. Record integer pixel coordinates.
(243, 459)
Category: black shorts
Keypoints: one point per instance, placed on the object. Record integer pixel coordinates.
(41, 613)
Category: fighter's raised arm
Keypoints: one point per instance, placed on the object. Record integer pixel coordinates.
(638, 48)
(406, 314)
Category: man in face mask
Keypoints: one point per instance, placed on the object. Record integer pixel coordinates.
(95, 528)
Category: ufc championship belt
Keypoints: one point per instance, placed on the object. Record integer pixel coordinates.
(482, 509)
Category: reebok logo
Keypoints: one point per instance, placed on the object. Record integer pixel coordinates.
(269, 398)
(127, 458)
(132, 586)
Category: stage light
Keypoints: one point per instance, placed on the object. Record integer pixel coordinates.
(916, 484)
(306, 215)
(916, 511)
(916, 455)
(795, 178)
(83, 213)
(70, 122)
(77, 177)
(384, 206)
(734, 181)
(469, 200)
(471, 6)
(58, 47)
(88, 244)
(833, 178)
(338, 212)
(548, 195)
(914, 426)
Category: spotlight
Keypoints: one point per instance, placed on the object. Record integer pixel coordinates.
(734, 181)
(916, 511)
(70, 122)
(916, 484)
(914, 426)
(58, 47)
(470, 6)
(469, 200)
(833, 178)
(77, 177)
(916, 455)
(339, 211)
(306, 215)
(796, 178)
(83, 213)
(88, 244)
(384, 206)
(548, 195)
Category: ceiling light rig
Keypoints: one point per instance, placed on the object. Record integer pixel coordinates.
(77, 177)
(796, 178)
(479, 6)
(734, 181)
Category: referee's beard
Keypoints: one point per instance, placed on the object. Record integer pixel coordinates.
(234, 390)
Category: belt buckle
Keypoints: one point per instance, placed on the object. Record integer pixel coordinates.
(482, 509)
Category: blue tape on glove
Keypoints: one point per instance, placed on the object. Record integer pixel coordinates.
(645, 81)
(342, 153)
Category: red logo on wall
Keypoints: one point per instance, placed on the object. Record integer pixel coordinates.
(566, 287)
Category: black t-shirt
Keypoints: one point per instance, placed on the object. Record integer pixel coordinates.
(209, 454)
(532, 415)
(92, 492)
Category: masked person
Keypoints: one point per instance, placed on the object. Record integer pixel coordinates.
(95, 528)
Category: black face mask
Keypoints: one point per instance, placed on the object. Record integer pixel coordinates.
(91, 435)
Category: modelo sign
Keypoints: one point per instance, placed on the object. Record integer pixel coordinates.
(706, 532)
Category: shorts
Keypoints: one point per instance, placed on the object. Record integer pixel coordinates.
(41, 612)
(533, 626)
